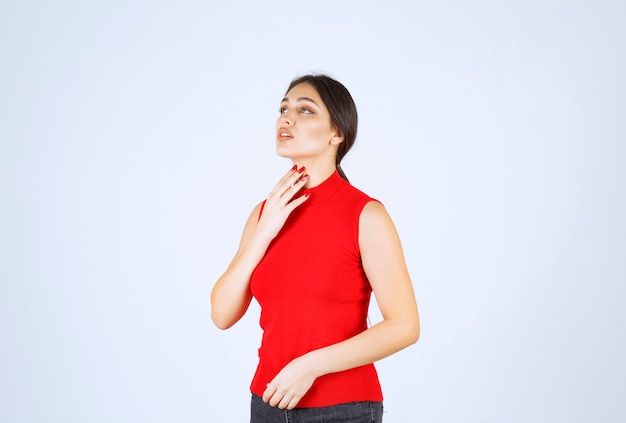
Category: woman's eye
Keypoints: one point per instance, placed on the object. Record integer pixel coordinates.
(301, 110)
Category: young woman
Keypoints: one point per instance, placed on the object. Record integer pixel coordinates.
(311, 254)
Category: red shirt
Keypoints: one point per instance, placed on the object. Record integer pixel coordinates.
(313, 292)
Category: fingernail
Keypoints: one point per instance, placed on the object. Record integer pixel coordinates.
(292, 169)
(301, 169)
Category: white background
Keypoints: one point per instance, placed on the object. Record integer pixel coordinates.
(137, 136)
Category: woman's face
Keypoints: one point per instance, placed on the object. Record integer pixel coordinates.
(303, 129)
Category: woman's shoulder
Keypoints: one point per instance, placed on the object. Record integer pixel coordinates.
(361, 196)
(374, 209)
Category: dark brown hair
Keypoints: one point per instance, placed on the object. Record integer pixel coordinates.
(341, 107)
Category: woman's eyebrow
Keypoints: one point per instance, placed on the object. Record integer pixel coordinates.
(286, 100)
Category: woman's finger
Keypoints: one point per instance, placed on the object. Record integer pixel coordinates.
(285, 401)
(295, 203)
(280, 202)
(269, 392)
(295, 186)
(288, 186)
(292, 404)
(287, 178)
(293, 180)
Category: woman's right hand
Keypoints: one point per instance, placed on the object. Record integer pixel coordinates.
(231, 294)
(279, 205)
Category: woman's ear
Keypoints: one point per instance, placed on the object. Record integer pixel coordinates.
(337, 138)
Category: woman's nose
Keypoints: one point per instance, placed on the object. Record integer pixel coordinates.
(286, 118)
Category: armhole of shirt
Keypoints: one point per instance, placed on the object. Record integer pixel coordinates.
(261, 210)
(357, 232)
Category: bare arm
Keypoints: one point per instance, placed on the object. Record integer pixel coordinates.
(231, 294)
(383, 261)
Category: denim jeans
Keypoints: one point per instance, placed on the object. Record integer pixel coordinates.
(352, 412)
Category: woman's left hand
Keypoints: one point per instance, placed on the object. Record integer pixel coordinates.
(290, 384)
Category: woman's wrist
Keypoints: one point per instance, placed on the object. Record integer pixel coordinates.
(314, 362)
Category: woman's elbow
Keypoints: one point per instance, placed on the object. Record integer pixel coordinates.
(220, 322)
(414, 334)
(226, 317)
(221, 314)
(411, 332)
(221, 318)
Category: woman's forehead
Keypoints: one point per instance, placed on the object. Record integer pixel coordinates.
(303, 91)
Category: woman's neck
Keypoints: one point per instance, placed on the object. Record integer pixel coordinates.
(317, 172)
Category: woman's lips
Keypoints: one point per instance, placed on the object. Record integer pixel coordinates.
(283, 135)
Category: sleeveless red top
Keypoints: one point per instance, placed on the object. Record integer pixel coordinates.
(313, 292)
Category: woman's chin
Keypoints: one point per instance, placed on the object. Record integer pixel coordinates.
(283, 153)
